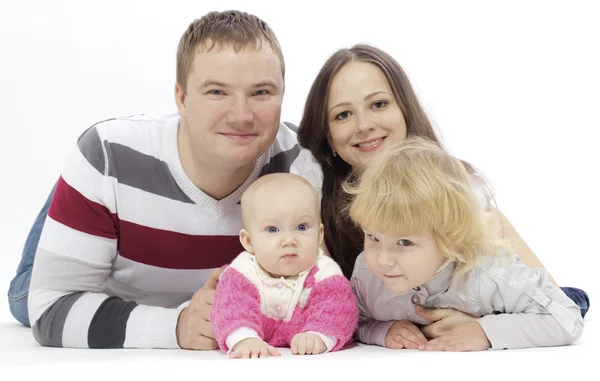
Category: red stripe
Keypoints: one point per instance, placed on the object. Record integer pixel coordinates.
(71, 208)
(167, 249)
(154, 247)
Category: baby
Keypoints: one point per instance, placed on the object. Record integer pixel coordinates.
(282, 291)
(428, 243)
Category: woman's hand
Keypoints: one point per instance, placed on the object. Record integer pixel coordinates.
(464, 337)
(443, 320)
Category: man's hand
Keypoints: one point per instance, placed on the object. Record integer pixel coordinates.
(252, 348)
(194, 329)
(307, 344)
(463, 337)
(404, 334)
(443, 320)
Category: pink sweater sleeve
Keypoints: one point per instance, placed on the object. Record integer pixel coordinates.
(332, 310)
(237, 304)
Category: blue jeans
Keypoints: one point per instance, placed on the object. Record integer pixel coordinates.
(19, 286)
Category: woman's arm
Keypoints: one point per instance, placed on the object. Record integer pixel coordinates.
(525, 254)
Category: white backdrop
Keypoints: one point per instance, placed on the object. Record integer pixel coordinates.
(512, 86)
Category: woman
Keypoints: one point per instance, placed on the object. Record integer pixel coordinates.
(360, 103)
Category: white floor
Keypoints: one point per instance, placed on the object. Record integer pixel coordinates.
(22, 357)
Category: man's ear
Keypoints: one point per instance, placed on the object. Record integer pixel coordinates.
(180, 100)
(245, 241)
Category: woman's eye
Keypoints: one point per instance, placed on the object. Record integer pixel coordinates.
(302, 227)
(343, 115)
(272, 229)
(380, 104)
(404, 242)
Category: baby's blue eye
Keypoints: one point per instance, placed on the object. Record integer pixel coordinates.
(272, 229)
(302, 227)
(373, 238)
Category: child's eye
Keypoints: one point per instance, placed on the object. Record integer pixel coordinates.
(302, 227)
(272, 229)
(404, 242)
(372, 238)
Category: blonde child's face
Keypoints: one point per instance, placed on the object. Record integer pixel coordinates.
(284, 231)
(402, 263)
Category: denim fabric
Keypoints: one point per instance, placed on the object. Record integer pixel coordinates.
(580, 298)
(19, 286)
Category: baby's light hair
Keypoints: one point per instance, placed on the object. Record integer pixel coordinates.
(416, 187)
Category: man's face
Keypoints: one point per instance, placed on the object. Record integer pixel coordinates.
(232, 105)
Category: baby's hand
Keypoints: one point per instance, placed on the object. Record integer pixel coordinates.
(307, 344)
(252, 348)
(404, 334)
(463, 337)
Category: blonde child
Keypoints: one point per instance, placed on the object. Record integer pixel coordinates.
(428, 244)
(282, 291)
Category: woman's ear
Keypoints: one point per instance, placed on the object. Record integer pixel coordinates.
(245, 241)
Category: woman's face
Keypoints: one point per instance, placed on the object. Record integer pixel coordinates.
(363, 115)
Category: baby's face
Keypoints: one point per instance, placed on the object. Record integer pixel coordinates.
(285, 231)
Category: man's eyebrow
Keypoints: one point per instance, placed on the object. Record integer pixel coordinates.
(266, 82)
(210, 82)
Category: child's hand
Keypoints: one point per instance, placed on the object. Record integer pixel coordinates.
(307, 344)
(463, 337)
(253, 348)
(404, 334)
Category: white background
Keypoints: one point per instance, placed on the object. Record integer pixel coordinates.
(512, 86)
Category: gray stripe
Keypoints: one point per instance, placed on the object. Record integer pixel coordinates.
(91, 148)
(108, 327)
(281, 162)
(142, 171)
(48, 329)
(292, 126)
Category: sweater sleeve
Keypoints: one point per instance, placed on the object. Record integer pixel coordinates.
(370, 331)
(525, 310)
(67, 303)
(237, 305)
(332, 310)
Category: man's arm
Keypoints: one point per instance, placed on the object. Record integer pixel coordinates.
(68, 306)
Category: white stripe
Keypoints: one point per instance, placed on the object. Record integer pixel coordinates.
(141, 133)
(63, 240)
(148, 209)
(77, 324)
(85, 179)
(148, 278)
(137, 326)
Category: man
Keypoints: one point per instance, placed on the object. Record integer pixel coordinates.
(147, 206)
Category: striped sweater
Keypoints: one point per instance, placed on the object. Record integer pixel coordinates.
(129, 237)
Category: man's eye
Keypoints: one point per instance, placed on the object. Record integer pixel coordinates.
(272, 229)
(404, 242)
(343, 115)
(302, 227)
(261, 92)
(215, 92)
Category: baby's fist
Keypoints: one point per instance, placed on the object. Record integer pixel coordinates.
(307, 344)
